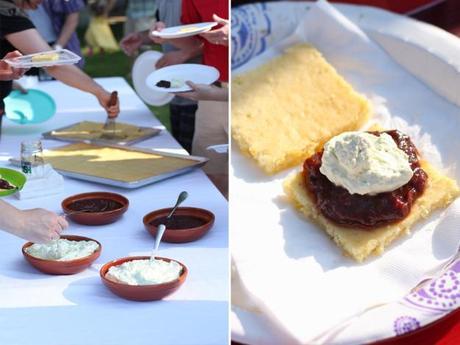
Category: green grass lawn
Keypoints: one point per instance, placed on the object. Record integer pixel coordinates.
(118, 64)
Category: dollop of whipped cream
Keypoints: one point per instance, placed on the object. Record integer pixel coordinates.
(176, 83)
(146, 272)
(62, 249)
(364, 163)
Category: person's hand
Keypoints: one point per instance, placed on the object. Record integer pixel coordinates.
(30, 4)
(9, 73)
(41, 226)
(20, 88)
(220, 35)
(131, 43)
(157, 26)
(104, 100)
(172, 58)
(202, 92)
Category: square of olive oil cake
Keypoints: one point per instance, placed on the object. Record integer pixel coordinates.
(283, 110)
(360, 244)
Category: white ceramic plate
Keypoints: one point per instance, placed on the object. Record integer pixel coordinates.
(199, 74)
(184, 30)
(144, 66)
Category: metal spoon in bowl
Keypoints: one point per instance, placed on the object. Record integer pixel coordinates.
(162, 228)
(160, 232)
(180, 199)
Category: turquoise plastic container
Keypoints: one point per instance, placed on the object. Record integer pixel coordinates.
(34, 107)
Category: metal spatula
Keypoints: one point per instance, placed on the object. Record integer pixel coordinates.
(109, 129)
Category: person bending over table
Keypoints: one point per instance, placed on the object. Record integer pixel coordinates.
(211, 122)
(36, 225)
(18, 33)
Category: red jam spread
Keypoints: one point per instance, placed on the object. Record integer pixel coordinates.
(366, 211)
(95, 205)
(164, 83)
(4, 184)
(179, 222)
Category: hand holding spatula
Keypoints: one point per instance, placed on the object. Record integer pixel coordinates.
(109, 130)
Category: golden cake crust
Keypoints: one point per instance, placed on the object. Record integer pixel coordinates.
(358, 244)
(45, 57)
(283, 110)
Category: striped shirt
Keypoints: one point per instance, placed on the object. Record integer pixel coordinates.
(141, 8)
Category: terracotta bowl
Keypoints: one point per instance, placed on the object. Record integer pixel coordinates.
(181, 235)
(141, 292)
(95, 218)
(63, 267)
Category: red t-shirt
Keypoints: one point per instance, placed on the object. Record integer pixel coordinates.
(198, 11)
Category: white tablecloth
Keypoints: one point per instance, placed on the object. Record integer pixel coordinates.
(36, 308)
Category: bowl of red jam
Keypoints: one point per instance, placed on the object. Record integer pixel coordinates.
(187, 224)
(95, 208)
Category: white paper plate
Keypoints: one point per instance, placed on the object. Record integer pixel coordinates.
(184, 30)
(66, 57)
(144, 66)
(199, 74)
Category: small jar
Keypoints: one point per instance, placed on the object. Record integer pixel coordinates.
(32, 156)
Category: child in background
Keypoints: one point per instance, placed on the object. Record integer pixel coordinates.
(99, 36)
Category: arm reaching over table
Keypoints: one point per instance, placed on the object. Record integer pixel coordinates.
(30, 42)
(35, 225)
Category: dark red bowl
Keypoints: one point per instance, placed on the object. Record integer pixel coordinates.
(152, 292)
(95, 218)
(63, 267)
(181, 235)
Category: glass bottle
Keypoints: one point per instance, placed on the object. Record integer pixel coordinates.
(32, 156)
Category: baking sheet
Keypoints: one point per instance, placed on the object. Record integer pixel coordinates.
(93, 132)
(117, 165)
(291, 272)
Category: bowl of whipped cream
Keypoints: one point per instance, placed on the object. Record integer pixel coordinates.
(69, 254)
(140, 279)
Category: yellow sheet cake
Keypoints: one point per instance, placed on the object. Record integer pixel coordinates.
(45, 57)
(113, 163)
(283, 110)
(358, 244)
(89, 130)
